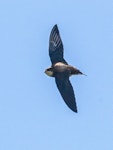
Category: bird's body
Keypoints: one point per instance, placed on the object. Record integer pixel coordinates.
(60, 69)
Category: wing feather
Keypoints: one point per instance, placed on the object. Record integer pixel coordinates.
(56, 46)
(66, 91)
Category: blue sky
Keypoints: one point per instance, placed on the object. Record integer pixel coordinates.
(32, 112)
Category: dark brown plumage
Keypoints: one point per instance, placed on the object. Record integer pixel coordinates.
(60, 69)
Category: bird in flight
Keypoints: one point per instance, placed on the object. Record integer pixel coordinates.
(60, 69)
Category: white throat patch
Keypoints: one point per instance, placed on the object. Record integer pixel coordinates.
(49, 73)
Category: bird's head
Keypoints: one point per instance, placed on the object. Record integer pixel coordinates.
(49, 71)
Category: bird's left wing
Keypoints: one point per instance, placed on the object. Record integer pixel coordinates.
(56, 46)
(66, 91)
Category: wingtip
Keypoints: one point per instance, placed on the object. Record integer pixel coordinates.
(55, 29)
(55, 26)
(75, 110)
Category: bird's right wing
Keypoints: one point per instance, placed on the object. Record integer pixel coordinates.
(66, 91)
(56, 46)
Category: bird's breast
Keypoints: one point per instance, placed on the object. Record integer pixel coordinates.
(60, 67)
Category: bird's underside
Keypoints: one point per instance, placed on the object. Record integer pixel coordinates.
(60, 69)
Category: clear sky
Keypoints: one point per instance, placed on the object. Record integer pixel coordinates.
(33, 115)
